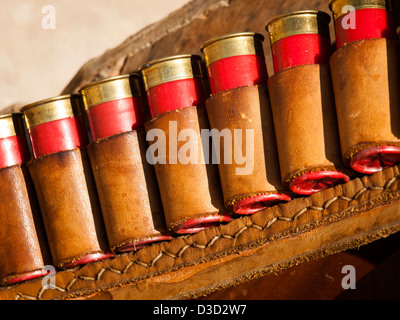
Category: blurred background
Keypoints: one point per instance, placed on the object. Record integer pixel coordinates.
(45, 42)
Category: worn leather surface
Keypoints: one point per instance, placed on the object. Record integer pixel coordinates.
(127, 188)
(336, 219)
(192, 189)
(366, 77)
(245, 108)
(69, 204)
(20, 250)
(305, 121)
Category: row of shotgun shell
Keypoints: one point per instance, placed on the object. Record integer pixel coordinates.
(85, 181)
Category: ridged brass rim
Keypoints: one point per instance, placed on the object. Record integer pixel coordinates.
(231, 45)
(52, 109)
(169, 69)
(109, 89)
(298, 22)
(336, 6)
(11, 125)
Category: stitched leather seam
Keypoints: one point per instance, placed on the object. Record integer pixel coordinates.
(347, 245)
(179, 254)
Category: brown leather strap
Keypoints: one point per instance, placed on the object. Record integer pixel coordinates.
(192, 189)
(366, 78)
(69, 205)
(305, 120)
(245, 109)
(330, 221)
(127, 187)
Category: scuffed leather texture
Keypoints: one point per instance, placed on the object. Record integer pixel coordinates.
(245, 108)
(127, 188)
(187, 190)
(365, 76)
(305, 120)
(20, 250)
(336, 219)
(69, 204)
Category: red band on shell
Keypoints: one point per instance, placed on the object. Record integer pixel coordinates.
(374, 159)
(237, 71)
(114, 117)
(27, 276)
(312, 182)
(301, 49)
(13, 150)
(175, 95)
(140, 244)
(202, 223)
(88, 259)
(58, 135)
(260, 202)
(364, 24)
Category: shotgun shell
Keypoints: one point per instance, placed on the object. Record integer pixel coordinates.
(356, 20)
(55, 125)
(299, 38)
(14, 148)
(362, 19)
(235, 60)
(113, 105)
(173, 83)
